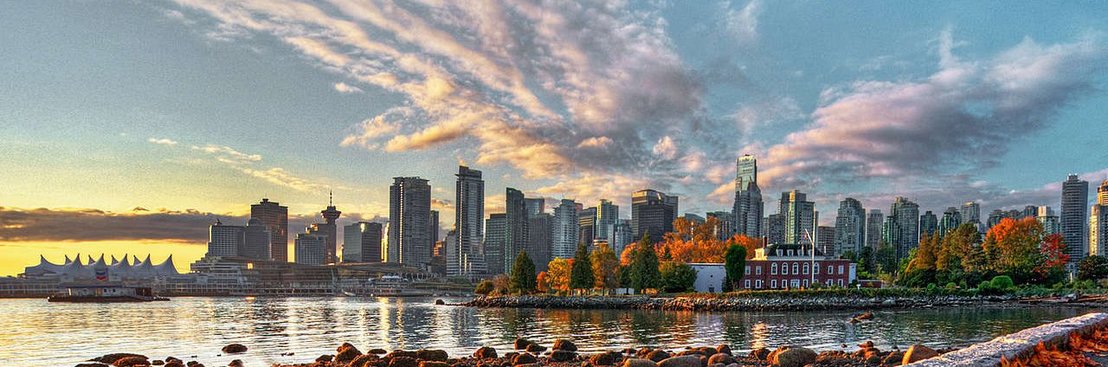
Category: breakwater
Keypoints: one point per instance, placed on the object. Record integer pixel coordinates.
(747, 302)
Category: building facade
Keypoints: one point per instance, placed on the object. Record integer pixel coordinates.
(276, 219)
(539, 243)
(1049, 220)
(224, 240)
(928, 223)
(361, 243)
(515, 231)
(311, 249)
(565, 231)
(409, 241)
(607, 217)
(586, 225)
(874, 221)
(793, 267)
(256, 240)
(748, 208)
(799, 216)
(952, 218)
(1074, 218)
(652, 213)
(1098, 222)
(496, 234)
(905, 231)
(850, 226)
(468, 258)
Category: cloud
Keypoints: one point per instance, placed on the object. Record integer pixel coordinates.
(665, 148)
(227, 154)
(743, 23)
(596, 142)
(440, 204)
(97, 225)
(162, 141)
(279, 176)
(347, 88)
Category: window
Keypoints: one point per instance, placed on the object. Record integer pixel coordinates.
(758, 284)
(796, 268)
(840, 282)
(790, 252)
(830, 269)
(773, 269)
(805, 283)
(830, 282)
(746, 284)
(758, 270)
(784, 268)
(806, 269)
(746, 270)
(816, 268)
(795, 283)
(773, 284)
(841, 269)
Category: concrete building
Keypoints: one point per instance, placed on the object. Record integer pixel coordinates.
(496, 234)
(971, 213)
(850, 226)
(224, 240)
(515, 227)
(928, 223)
(905, 215)
(409, 241)
(1074, 218)
(565, 230)
(310, 249)
(775, 228)
(361, 243)
(725, 225)
(874, 220)
(709, 277)
(825, 241)
(1098, 222)
(952, 218)
(1049, 220)
(791, 267)
(468, 259)
(653, 213)
(435, 235)
(748, 208)
(586, 225)
(799, 216)
(623, 236)
(539, 240)
(607, 217)
(276, 220)
(535, 206)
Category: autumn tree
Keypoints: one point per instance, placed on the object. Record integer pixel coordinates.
(523, 274)
(605, 267)
(557, 272)
(542, 282)
(580, 276)
(750, 244)
(692, 242)
(1014, 248)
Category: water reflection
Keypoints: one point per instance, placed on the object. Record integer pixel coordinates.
(313, 326)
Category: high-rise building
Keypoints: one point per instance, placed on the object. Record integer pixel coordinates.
(906, 216)
(224, 240)
(539, 242)
(748, 206)
(952, 218)
(874, 221)
(694, 219)
(435, 226)
(256, 239)
(1074, 217)
(1048, 220)
(800, 217)
(607, 217)
(971, 213)
(775, 229)
(310, 248)
(586, 225)
(1098, 222)
(535, 206)
(361, 243)
(622, 236)
(724, 228)
(468, 257)
(928, 223)
(653, 213)
(276, 220)
(889, 231)
(409, 222)
(496, 234)
(565, 230)
(330, 229)
(515, 235)
(850, 226)
(995, 217)
(1029, 211)
(825, 241)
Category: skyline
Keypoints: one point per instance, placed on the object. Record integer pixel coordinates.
(209, 107)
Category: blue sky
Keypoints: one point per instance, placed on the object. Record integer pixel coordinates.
(209, 105)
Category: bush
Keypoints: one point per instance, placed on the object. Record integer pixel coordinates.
(484, 287)
(986, 288)
(677, 277)
(1002, 282)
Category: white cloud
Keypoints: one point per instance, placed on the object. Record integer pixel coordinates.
(161, 141)
(665, 148)
(743, 23)
(347, 88)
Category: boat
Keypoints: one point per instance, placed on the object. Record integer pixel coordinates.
(104, 293)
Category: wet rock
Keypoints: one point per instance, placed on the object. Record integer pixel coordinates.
(111, 358)
(378, 351)
(724, 348)
(401, 353)
(761, 354)
(432, 355)
(324, 358)
(403, 361)
(792, 356)
(536, 348)
(681, 361)
(90, 365)
(484, 352)
(917, 353)
(363, 360)
(234, 348)
(566, 345)
(522, 344)
(157, 362)
(174, 363)
(440, 302)
(131, 361)
(721, 358)
(346, 353)
(235, 363)
(706, 351)
(562, 356)
(866, 345)
(638, 362)
(525, 358)
(657, 355)
(893, 358)
(603, 359)
(433, 364)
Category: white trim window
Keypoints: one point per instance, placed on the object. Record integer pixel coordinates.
(746, 284)
(807, 269)
(796, 268)
(773, 269)
(773, 284)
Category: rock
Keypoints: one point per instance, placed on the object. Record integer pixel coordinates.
(346, 353)
(433, 364)
(235, 363)
(917, 353)
(521, 344)
(638, 362)
(439, 302)
(536, 348)
(721, 358)
(525, 358)
(657, 355)
(363, 360)
(401, 353)
(866, 345)
(562, 356)
(111, 358)
(131, 361)
(234, 349)
(761, 354)
(484, 352)
(724, 348)
(90, 365)
(893, 358)
(864, 316)
(377, 351)
(707, 351)
(432, 355)
(324, 358)
(603, 359)
(403, 361)
(566, 345)
(157, 362)
(681, 361)
(174, 363)
(793, 356)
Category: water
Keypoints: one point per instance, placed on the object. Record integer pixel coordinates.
(35, 333)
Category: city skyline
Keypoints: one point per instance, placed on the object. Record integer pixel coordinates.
(135, 142)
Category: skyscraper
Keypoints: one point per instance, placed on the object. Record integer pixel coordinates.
(1098, 222)
(565, 230)
(535, 206)
(1049, 220)
(905, 215)
(515, 239)
(874, 220)
(952, 218)
(653, 213)
(435, 226)
(775, 229)
(224, 240)
(607, 217)
(850, 226)
(622, 236)
(586, 225)
(409, 222)
(1029, 211)
(928, 223)
(330, 229)
(256, 238)
(496, 236)
(748, 206)
(971, 213)
(276, 220)
(1074, 217)
(310, 248)
(725, 222)
(825, 241)
(539, 242)
(799, 216)
(361, 243)
(469, 217)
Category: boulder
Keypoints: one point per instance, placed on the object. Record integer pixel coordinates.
(566, 345)
(639, 362)
(440, 302)
(562, 356)
(346, 353)
(432, 355)
(403, 361)
(536, 348)
(484, 352)
(433, 364)
(90, 365)
(721, 358)
(363, 360)
(174, 363)
(111, 358)
(522, 344)
(657, 355)
(235, 363)
(917, 353)
(324, 358)
(524, 358)
(724, 348)
(131, 361)
(377, 351)
(401, 353)
(793, 356)
(681, 361)
(893, 358)
(234, 348)
(707, 351)
(157, 362)
(603, 359)
(760, 354)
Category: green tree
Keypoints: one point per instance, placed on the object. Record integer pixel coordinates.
(677, 277)
(1093, 267)
(866, 261)
(580, 275)
(734, 263)
(644, 272)
(605, 267)
(886, 258)
(484, 287)
(523, 274)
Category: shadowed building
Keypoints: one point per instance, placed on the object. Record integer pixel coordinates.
(565, 230)
(467, 258)
(653, 213)
(361, 243)
(874, 221)
(409, 222)
(1075, 197)
(276, 220)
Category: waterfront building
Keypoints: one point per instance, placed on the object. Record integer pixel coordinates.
(409, 229)
(311, 249)
(1098, 222)
(874, 221)
(565, 230)
(905, 214)
(850, 226)
(775, 229)
(623, 236)
(1074, 218)
(224, 240)
(928, 223)
(496, 234)
(586, 225)
(515, 228)
(129, 269)
(539, 240)
(607, 217)
(361, 243)
(971, 213)
(1049, 220)
(748, 207)
(799, 216)
(825, 241)
(256, 240)
(791, 267)
(653, 213)
(329, 228)
(889, 231)
(276, 219)
(469, 217)
(952, 218)
(725, 225)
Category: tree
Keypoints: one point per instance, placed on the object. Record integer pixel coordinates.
(886, 258)
(751, 244)
(1093, 267)
(691, 242)
(677, 277)
(523, 274)
(1055, 258)
(484, 287)
(580, 277)
(644, 266)
(501, 284)
(542, 282)
(866, 260)
(735, 265)
(557, 272)
(1013, 247)
(605, 267)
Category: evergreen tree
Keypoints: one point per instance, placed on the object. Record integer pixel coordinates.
(523, 274)
(580, 276)
(677, 277)
(644, 266)
(735, 265)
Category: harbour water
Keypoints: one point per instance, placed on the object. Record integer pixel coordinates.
(35, 333)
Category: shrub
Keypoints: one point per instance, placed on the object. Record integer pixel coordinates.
(1002, 282)
(484, 287)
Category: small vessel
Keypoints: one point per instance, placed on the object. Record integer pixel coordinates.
(105, 293)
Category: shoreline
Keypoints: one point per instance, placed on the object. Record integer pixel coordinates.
(749, 302)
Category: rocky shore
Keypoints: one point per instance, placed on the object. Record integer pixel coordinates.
(563, 353)
(737, 303)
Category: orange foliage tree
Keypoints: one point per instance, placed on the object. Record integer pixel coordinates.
(696, 243)
(557, 274)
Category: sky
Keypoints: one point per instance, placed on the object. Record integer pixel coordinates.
(129, 126)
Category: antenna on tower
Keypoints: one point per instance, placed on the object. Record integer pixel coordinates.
(330, 198)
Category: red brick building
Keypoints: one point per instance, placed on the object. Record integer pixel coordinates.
(791, 267)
